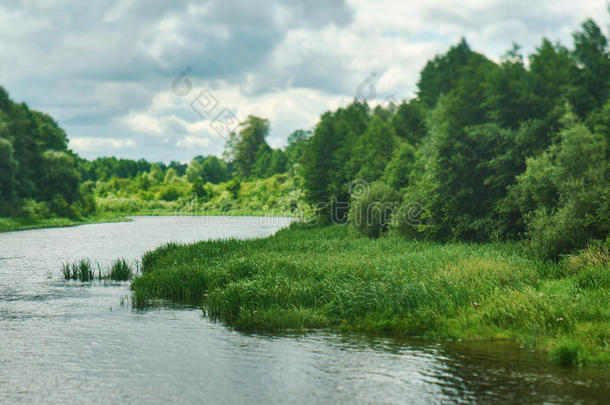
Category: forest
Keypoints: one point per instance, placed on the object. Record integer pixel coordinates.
(486, 151)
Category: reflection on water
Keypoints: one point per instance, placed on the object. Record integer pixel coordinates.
(67, 342)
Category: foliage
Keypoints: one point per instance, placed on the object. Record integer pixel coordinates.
(35, 163)
(565, 192)
(456, 150)
(208, 169)
(370, 213)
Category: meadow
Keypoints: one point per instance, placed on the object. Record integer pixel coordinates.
(309, 277)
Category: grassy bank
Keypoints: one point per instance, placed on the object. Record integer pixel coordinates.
(8, 224)
(322, 277)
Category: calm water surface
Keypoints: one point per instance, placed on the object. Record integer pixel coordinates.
(67, 342)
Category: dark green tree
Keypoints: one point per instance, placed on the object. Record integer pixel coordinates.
(250, 140)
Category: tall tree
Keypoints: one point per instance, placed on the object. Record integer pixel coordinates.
(251, 138)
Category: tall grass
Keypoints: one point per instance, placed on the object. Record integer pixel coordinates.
(324, 277)
(120, 270)
(82, 270)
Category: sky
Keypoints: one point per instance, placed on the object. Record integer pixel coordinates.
(168, 80)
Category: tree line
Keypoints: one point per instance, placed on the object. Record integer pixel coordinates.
(486, 150)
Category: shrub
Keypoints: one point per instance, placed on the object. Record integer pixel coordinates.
(555, 234)
(34, 210)
(370, 213)
(233, 187)
(170, 194)
(563, 195)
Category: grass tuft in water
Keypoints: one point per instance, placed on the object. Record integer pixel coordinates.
(82, 270)
(568, 353)
(120, 270)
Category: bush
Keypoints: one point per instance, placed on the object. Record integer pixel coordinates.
(564, 193)
(119, 205)
(60, 207)
(170, 194)
(34, 210)
(556, 234)
(370, 213)
(233, 187)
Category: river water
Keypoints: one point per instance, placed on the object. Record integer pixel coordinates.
(70, 342)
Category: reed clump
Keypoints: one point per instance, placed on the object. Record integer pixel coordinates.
(83, 270)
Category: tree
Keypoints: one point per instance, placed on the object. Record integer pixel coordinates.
(326, 176)
(251, 138)
(36, 165)
(8, 169)
(171, 176)
(409, 121)
(208, 169)
(441, 74)
(398, 169)
(593, 79)
(552, 76)
(373, 150)
(509, 98)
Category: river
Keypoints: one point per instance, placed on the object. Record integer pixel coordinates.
(70, 342)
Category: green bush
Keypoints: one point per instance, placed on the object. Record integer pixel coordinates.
(233, 187)
(34, 210)
(564, 193)
(170, 194)
(370, 213)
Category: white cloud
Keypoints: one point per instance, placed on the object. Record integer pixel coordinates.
(143, 123)
(87, 144)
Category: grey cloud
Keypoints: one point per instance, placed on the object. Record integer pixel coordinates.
(89, 64)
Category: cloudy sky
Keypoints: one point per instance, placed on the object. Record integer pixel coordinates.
(165, 80)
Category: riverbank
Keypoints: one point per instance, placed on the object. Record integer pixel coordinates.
(322, 277)
(8, 224)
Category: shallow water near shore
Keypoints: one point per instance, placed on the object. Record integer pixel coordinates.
(71, 342)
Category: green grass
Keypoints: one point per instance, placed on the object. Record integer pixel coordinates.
(120, 270)
(324, 277)
(83, 270)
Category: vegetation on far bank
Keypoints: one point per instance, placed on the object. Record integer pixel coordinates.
(321, 277)
(22, 224)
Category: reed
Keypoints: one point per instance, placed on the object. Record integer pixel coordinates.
(120, 270)
(83, 270)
